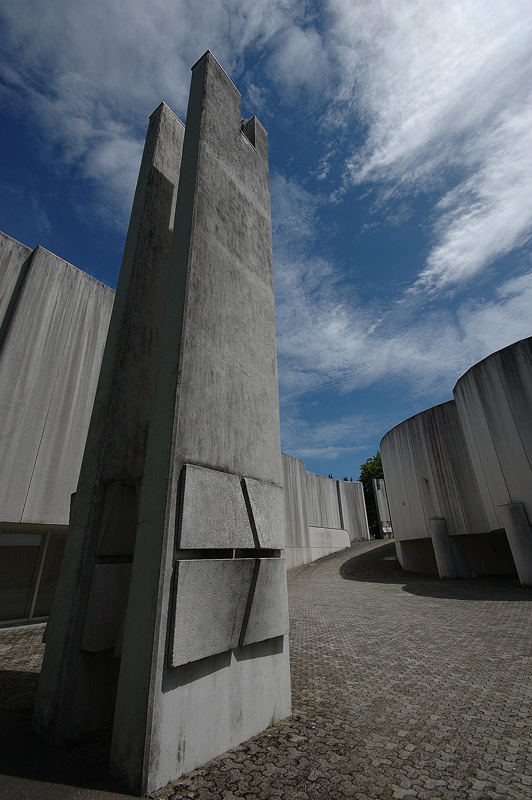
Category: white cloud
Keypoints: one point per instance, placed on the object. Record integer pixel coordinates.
(90, 73)
(328, 338)
(299, 59)
(329, 440)
(444, 91)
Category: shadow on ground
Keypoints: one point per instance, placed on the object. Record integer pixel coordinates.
(380, 565)
(24, 755)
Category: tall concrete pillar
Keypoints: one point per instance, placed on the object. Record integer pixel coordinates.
(77, 686)
(519, 536)
(204, 662)
(448, 551)
(170, 620)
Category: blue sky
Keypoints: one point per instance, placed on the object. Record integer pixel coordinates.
(401, 171)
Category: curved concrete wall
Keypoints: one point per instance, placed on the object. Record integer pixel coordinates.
(465, 467)
(494, 404)
(429, 474)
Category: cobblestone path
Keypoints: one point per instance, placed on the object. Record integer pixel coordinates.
(403, 686)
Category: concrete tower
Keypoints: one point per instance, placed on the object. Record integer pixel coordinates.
(170, 618)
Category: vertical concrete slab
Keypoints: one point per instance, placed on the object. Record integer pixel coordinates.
(57, 333)
(519, 536)
(383, 510)
(60, 450)
(322, 502)
(449, 554)
(76, 692)
(215, 405)
(298, 547)
(14, 258)
(353, 509)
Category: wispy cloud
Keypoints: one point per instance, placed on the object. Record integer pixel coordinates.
(444, 91)
(330, 440)
(329, 337)
(91, 73)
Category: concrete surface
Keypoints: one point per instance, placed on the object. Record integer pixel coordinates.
(209, 607)
(429, 474)
(515, 521)
(77, 689)
(352, 505)
(322, 515)
(467, 461)
(215, 405)
(268, 604)
(383, 509)
(494, 401)
(298, 549)
(57, 331)
(404, 686)
(14, 258)
(214, 513)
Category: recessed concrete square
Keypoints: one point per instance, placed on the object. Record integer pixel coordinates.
(268, 615)
(267, 506)
(210, 602)
(214, 511)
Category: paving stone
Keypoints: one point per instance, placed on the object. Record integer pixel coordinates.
(403, 687)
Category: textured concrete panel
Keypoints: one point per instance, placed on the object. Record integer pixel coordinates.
(448, 551)
(353, 515)
(519, 535)
(116, 443)
(469, 460)
(106, 606)
(57, 333)
(383, 510)
(322, 502)
(268, 613)
(324, 541)
(215, 405)
(494, 399)
(210, 602)
(295, 499)
(214, 512)
(429, 474)
(13, 255)
(60, 450)
(267, 508)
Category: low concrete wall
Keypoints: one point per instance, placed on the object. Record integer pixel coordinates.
(322, 515)
(468, 462)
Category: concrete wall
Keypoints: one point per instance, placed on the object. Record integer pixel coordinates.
(463, 469)
(428, 474)
(55, 323)
(494, 404)
(353, 516)
(383, 509)
(322, 515)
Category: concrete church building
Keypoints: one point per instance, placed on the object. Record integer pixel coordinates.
(459, 475)
(169, 624)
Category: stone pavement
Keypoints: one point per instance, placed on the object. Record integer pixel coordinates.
(403, 686)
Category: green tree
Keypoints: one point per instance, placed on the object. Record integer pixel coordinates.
(371, 468)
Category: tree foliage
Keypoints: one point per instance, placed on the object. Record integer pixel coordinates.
(371, 468)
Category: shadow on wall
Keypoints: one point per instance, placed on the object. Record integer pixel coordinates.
(381, 566)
